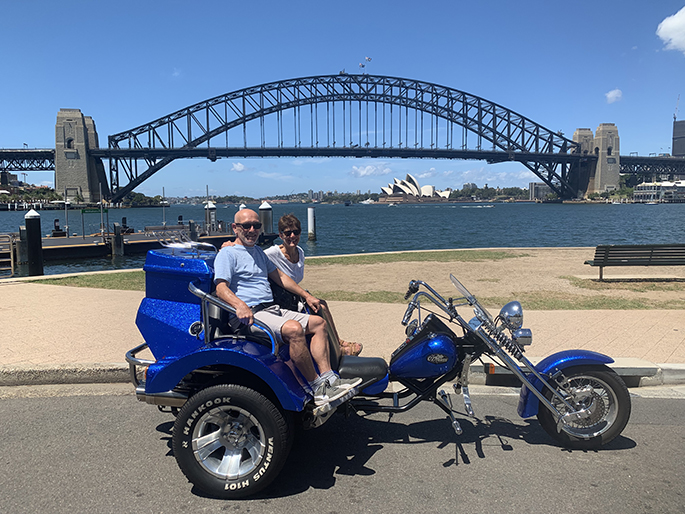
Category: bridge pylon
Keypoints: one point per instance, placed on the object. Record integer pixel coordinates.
(79, 174)
(604, 172)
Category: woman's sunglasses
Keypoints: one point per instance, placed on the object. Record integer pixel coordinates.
(289, 233)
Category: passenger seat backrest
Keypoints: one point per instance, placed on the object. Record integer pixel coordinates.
(218, 322)
(224, 324)
(333, 343)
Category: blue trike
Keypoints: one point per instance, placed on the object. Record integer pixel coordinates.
(238, 399)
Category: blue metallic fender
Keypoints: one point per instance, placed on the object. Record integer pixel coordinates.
(257, 359)
(528, 403)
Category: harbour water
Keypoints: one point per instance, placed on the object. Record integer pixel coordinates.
(380, 228)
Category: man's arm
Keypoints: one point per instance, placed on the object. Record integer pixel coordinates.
(242, 311)
(289, 284)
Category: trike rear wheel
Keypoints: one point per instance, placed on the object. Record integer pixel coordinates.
(230, 441)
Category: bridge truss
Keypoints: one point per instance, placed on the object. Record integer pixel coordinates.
(652, 168)
(344, 116)
(27, 160)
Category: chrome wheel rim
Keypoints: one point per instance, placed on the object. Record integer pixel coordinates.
(229, 442)
(600, 400)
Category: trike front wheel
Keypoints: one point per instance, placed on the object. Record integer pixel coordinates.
(601, 393)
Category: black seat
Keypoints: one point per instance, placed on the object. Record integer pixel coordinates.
(370, 369)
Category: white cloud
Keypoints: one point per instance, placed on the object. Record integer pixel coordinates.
(614, 95)
(238, 166)
(498, 175)
(672, 31)
(428, 174)
(370, 171)
(176, 73)
(526, 174)
(311, 160)
(273, 176)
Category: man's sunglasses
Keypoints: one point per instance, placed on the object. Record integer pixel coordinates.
(248, 226)
(289, 233)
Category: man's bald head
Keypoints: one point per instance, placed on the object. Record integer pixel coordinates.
(244, 215)
(250, 219)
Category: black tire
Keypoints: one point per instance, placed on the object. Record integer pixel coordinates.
(230, 441)
(608, 400)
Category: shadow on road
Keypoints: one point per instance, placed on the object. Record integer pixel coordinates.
(346, 446)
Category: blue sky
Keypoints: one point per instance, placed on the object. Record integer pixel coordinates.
(564, 65)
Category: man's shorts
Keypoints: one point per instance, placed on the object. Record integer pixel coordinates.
(274, 317)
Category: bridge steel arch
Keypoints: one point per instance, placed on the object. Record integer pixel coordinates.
(345, 116)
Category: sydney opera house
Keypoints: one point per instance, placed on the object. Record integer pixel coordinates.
(409, 191)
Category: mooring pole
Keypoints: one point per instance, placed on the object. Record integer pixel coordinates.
(34, 243)
(266, 217)
(117, 241)
(311, 223)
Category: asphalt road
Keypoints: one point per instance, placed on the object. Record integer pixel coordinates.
(105, 452)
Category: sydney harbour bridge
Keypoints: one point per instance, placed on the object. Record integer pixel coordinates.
(361, 116)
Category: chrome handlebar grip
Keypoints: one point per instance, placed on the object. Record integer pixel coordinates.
(412, 289)
(407, 314)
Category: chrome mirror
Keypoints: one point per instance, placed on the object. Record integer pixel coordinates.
(512, 315)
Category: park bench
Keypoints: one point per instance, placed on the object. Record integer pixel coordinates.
(637, 255)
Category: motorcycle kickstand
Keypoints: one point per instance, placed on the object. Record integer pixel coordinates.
(445, 403)
(463, 385)
(467, 399)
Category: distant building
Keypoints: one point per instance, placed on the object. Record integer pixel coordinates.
(678, 149)
(469, 185)
(538, 191)
(409, 190)
(7, 178)
(669, 192)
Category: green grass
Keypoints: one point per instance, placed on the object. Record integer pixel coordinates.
(635, 285)
(539, 300)
(127, 281)
(371, 296)
(552, 301)
(446, 256)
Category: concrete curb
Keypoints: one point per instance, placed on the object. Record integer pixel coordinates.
(635, 372)
(98, 373)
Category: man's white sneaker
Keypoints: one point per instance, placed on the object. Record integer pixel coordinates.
(326, 392)
(347, 383)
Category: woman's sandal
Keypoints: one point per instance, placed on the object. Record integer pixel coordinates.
(350, 348)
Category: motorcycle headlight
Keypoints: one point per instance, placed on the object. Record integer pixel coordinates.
(512, 315)
(523, 336)
(412, 327)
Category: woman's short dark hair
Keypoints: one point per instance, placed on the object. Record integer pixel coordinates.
(288, 221)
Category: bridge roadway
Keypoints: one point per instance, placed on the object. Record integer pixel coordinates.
(43, 159)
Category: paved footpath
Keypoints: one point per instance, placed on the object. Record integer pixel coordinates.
(58, 334)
